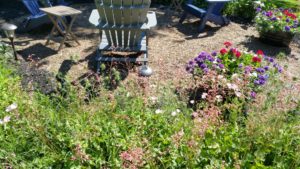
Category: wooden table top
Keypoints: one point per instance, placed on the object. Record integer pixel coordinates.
(61, 11)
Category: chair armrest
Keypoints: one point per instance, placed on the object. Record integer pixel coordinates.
(94, 17)
(152, 21)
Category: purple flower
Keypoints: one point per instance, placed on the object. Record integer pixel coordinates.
(221, 66)
(240, 65)
(203, 55)
(256, 82)
(274, 19)
(253, 94)
(214, 53)
(203, 66)
(199, 59)
(210, 58)
(269, 13)
(271, 60)
(260, 70)
(258, 9)
(288, 20)
(205, 70)
(219, 60)
(266, 68)
(287, 28)
(191, 63)
(248, 69)
(279, 69)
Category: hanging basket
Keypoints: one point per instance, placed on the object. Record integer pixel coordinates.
(282, 39)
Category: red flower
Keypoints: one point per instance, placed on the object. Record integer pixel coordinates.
(227, 44)
(293, 16)
(238, 54)
(286, 11)
(256, 59)
(223, 51)
(260, 52)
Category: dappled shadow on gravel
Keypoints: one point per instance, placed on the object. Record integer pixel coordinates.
(37, 51)
(253, 44)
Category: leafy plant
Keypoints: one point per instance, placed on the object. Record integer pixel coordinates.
(229, 78)
(277, 20)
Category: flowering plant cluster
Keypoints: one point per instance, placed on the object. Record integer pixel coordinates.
(277, 20)
(240, 72)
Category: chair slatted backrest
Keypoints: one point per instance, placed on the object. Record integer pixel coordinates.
(32, 6)
(121, 14)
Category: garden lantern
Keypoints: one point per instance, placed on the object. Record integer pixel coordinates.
(9, 31)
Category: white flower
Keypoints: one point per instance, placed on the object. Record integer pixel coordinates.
(234, 76)
(11, 107)
(203, 96)
(153, 99)
(232, 86)
(219, 98)
(220, 76)
(254, 74)
(6, 119)
(178, 111)
(158, 111)
(174, 113)
(192, 101)
(238, 94)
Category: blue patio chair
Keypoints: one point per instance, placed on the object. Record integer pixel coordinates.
(212, 13)
(37, 17)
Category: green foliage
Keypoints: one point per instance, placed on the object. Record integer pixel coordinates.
(246, 8)
(65, 132)
(241, 8)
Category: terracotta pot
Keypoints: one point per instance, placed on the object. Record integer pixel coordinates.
(276, 38)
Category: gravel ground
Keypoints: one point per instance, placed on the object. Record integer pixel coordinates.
(171, 45)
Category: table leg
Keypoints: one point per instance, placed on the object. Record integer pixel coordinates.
(68, 31)
(50, 35)
(204, 19)
(70, 25)
(55, 23)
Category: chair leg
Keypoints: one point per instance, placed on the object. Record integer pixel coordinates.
(145, 69)
(183, 16)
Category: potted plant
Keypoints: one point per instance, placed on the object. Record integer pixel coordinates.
(277, 26)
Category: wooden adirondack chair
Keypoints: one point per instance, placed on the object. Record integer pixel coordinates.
(124, 26)
(212, 13)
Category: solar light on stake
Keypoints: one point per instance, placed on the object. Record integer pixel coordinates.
(9, 31)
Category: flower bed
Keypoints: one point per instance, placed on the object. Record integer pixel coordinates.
(277, 26)
(229, 78)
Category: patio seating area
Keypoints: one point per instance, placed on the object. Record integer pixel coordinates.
(170, 44)
(149, 84)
